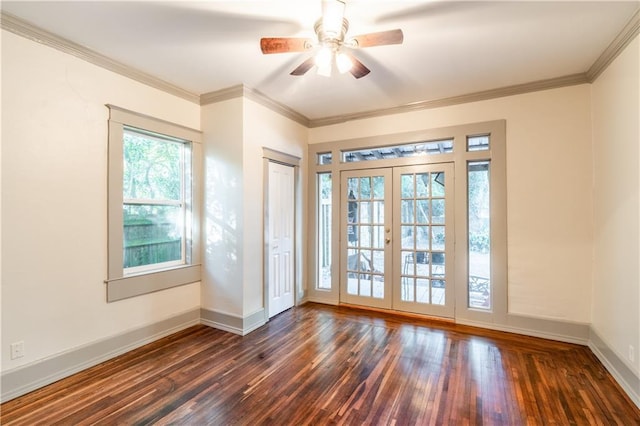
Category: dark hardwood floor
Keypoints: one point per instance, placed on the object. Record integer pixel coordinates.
(321, 365)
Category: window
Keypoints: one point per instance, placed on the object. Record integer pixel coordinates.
(398, 151)
(479, 234)
(324, 158)
(154, 200)
(154, 168)
(324, 192)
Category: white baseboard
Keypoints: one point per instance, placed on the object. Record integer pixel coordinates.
(628, 380)
(561, 331)
(232, 323)
(324, 300)
(26, 378)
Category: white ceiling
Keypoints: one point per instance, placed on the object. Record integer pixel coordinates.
(450, 48)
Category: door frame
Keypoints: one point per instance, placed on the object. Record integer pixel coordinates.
(270, 155)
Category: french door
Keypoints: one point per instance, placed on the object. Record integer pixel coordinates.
(366, 238)
(397, 238)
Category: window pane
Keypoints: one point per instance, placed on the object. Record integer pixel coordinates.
(324, 231)
(437, 211)
(152, 234)
(152, 167)
(478, 143)
(378, 212)
(365, 188)
(365, 211)
(422, 237)
(422, 211)
(378, 236)
(438, 292)
(437, 238)
(378, 187)
(407, 211)
(407, 186)
(437, 184)
(422, 290)
(479, 235)
(408, 289)
(422, 185)
(399, 151)
(365, 236)
(407, 236)
(324, 158)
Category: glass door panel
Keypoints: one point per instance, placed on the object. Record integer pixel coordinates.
(365, 277)
(423, 263)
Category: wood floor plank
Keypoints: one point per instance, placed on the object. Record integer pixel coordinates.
(320, 365)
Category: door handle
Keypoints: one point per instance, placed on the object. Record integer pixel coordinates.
(387, 240)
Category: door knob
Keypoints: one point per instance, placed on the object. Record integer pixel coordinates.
(387, 240)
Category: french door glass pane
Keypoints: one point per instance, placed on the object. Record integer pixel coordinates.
(437, 211)
(378, 187)
(422, 185)
(422, 211)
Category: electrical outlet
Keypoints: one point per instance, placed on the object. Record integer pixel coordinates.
(632, 354)
(17, 350)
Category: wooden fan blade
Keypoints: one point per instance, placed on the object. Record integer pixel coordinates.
(379, 39)
(358, 70)
(304, 67)
(285, 44)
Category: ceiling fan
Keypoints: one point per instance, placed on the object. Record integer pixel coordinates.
(332, 44)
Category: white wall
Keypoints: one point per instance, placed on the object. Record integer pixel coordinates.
(54, 195)
(235, 133)
(224, 204)
(549, 197)
(616, 132)
(267, 129)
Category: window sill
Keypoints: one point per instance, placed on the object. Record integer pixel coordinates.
(152, 281)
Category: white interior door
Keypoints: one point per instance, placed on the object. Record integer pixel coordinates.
(280, 212)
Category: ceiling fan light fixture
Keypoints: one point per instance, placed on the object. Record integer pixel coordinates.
(323, 57)
(332, 43)
(332, 17)
(324, 61)
(343, 62)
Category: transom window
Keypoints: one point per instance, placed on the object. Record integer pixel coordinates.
(398, 151)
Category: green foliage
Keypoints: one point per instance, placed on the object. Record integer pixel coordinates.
(479, 205)
(325, 186)
(152, 168)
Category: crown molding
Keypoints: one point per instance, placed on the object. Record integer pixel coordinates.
(27, 30)
(244, 91)
(622, 40)
(518, 89)
(222, 95)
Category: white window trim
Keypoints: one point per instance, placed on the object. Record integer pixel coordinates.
(119, 285)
